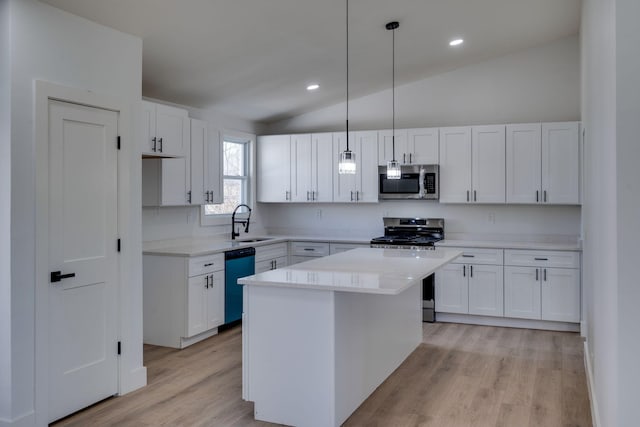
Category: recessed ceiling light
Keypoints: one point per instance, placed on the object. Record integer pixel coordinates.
(313, 86)
(456, 42)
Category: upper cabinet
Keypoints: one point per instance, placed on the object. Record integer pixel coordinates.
(472, 164)
(206, 164)
(312, 167)
(412, 146)
(274, 172)
(543, 163)
(165, 130)
(363, 185)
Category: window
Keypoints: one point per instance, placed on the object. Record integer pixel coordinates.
(236, 177)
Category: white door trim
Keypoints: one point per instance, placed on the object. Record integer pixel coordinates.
(44, 91)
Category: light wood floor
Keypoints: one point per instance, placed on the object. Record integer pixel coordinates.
(460, 376)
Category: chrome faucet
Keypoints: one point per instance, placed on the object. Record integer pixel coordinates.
(243, 222)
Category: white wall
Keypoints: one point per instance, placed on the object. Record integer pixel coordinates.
(52, 45)
(541, 223)
(600, 202)
(5, 214)
(537, 84)
(628, 210)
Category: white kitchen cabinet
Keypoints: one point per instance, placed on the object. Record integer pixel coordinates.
(472, 164)
(165, 130)
(274, 168)
(363, 185)
(543, 163)
(312, 167)
(452, 289)
(166, 182)
(305, 251)
(522, 292)
(271, 257)
(183, 298)
(477, 276)
(542, 285)
(205, 302)
(206, 164)
(413, 146)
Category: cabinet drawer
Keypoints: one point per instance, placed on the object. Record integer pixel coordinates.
(310, 248)
(335, 248)
(269, 252)
(531, 258)
(480, 256)
(206, 264)
(270, 264)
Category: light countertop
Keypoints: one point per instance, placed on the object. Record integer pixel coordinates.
(362, 270)
(491, 244)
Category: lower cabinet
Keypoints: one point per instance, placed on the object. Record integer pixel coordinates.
(270, 257)
(305, 251)
(183, 298)
(470, 289)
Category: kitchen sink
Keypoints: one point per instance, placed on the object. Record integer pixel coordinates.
(256, 239)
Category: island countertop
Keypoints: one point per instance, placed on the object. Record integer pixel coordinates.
(362, 270)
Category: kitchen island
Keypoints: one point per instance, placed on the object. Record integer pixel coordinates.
(321, 336)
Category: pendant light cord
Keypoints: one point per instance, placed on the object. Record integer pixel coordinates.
(393, 93)
(347, 121)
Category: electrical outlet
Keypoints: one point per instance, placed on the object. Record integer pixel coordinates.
(318, 213)
(492, 217)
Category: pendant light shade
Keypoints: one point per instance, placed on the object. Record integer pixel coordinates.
(347, 161)
(393, 166)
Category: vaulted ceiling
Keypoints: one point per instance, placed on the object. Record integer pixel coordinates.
(254, 58)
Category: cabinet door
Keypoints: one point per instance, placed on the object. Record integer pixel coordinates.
(344, 186)
(215, 300)
(175, 181)
(452, 289)
(488, 164)
(561, 294)
(274, 158)
(455, 165)
(385, 146)
(197, 305)
(213, 166)
(367, 181)
(560, 163)
(524, 163)
(148, 127)
(422, 146)
(198, 161)
(486, 290)
(522, 292)
(172, 130)
(323, 162)
(301, 168)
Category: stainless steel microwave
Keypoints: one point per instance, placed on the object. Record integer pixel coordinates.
(416, 182)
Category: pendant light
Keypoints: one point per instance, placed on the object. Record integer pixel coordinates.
(347, 162)
(393, 166)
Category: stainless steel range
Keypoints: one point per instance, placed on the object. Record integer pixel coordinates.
(416, 234)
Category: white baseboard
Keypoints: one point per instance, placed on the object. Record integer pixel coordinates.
(595, 415)
(136, 379)
(25, 420)
(507, 322)
(186, 342)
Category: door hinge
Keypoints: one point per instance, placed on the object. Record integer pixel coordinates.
(119, 348)
(119, 245)
(118, 142)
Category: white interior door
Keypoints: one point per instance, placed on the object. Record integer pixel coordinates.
(83, 233)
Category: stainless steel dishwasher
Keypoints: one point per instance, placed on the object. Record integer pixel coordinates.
(237, 263)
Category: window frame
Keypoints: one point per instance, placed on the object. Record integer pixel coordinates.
(249, 180)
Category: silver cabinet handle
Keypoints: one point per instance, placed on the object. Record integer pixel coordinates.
(545, 195)
(471, 271)
(357, 196)
(410, 158)
(475, 198)
(464, 271)
(309, 249)
(206, 282)
(541, 259)
(154, 144)
(468, 256)
(160, 144)
(404, 157)
(537, 196)
(313, 195)
(209, 264)
(467, 195)
(536, 274)
(351, 195)
(189, 196)
(545, 274)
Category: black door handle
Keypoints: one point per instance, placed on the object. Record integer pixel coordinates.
(56, 276)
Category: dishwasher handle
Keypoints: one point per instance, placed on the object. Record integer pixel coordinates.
(239, 253)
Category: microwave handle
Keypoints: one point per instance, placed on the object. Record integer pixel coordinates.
(421, 183)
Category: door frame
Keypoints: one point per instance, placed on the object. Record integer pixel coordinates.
(44, 92)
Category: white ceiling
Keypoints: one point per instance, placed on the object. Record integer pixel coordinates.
(254, 58)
